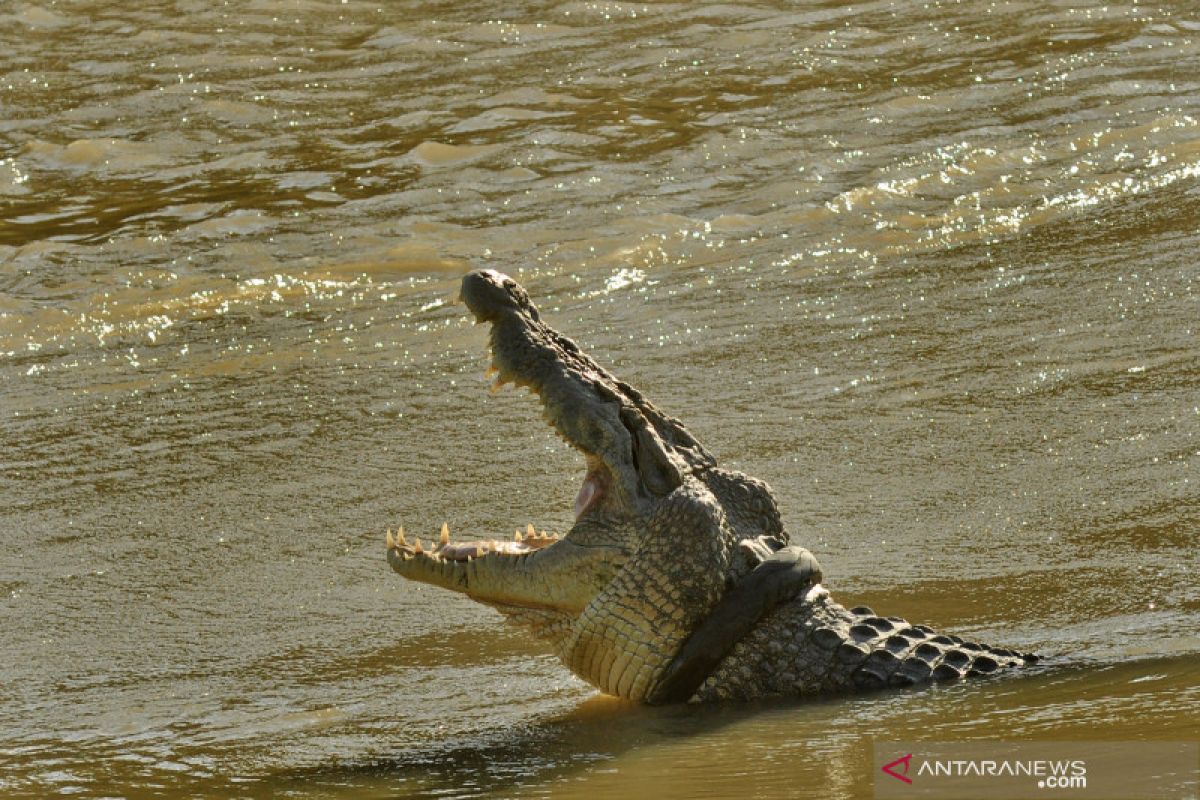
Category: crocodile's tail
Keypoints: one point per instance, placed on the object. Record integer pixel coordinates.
(815, 646)
(875, 652)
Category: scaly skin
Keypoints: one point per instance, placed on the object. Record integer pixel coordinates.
(662, 535)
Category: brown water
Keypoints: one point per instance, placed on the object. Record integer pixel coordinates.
(931, 270)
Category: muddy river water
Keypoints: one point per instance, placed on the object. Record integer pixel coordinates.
(932, 270)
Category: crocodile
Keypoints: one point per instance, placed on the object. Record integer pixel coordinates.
(677, 581)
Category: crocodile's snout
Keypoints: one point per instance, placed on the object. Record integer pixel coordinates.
(490, 294)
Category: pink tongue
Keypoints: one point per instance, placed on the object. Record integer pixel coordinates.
(587, 495)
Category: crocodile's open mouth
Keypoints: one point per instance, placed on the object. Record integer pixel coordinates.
(634, 453)
(526, 353)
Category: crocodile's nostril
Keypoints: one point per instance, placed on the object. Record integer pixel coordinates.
(487, 293)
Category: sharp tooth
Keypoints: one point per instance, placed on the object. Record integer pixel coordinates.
(391, 543)
(400, 537)
(517, 536)
(417, 547)
(445, 533)
(530, 531)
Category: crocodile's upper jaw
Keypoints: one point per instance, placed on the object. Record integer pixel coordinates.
(634, 452)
